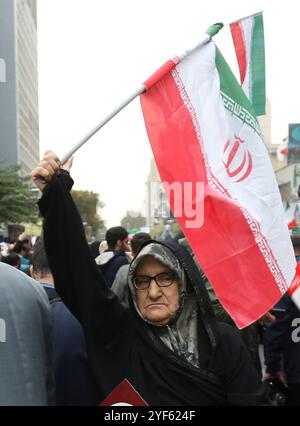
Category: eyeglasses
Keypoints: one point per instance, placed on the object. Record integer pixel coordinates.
(164, 279)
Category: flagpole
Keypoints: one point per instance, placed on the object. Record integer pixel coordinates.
(206, 37)
(105, 120)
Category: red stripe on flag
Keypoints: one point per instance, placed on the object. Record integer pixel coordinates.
(160, 73)
(240, 48)
(294, 286)
(296, 281)
(224, 245)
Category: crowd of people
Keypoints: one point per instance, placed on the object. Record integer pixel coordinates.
(80, 318)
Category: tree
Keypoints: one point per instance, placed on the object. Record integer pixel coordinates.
(17, 199)
(133, 220)
(156, 231)
(88, 203)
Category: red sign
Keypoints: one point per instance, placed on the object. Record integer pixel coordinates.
(124, 394)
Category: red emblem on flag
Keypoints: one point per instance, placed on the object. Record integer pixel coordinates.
(124, 394)
(239, 161)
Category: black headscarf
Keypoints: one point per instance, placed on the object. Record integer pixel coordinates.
(181, 333)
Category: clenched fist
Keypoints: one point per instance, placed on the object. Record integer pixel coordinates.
(47, 168)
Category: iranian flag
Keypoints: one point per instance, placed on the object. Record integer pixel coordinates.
(249, 44)
(211, 158)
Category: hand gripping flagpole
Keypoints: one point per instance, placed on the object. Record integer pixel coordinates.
(167, 67)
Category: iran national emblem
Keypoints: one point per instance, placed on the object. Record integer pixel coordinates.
(238, 162)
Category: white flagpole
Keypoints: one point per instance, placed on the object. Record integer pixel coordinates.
(105, 120)
(205, 38)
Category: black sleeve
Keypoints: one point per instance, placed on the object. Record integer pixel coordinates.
(77, 278)
(241, 381)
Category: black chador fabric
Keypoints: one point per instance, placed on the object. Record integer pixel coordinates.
(121, 344)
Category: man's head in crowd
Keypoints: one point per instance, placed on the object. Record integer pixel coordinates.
(22, 248)
(138, 240)
(40, 269)
(117, 239)
(12, 259)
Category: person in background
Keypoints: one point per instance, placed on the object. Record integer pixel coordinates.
(103, 246)
(26, 369)
(282, 344)
(22, 248)
(73, 378)
(111, 260)
(12, 259)
(120, 283)
(95, 248)
(3, 249)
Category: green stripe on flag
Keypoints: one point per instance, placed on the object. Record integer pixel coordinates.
(234, 97)
(258, 67)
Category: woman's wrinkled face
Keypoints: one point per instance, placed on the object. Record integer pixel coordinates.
(156, 304)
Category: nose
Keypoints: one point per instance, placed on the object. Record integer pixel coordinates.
(154, 290)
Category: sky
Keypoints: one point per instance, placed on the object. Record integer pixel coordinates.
(93, 54)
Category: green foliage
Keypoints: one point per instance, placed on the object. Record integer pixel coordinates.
(133, 221)
(88, 203)
(156, 231)
(17, 199)
(175, 228)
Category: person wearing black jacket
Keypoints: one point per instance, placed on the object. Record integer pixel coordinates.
(112, 259)
(167, 344)
(74, 383)
(282, 349)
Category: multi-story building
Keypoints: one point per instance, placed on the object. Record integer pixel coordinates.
(19, 119)
(157, 205)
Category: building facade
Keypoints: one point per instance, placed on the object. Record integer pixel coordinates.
(19, 118)
(157, 204)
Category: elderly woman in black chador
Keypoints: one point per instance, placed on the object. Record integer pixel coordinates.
(168, 343)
